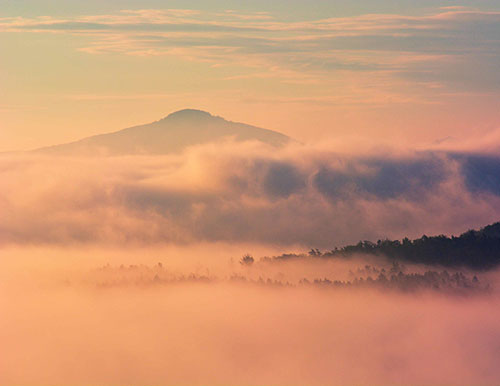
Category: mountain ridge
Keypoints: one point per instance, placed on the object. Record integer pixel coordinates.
(171, 134)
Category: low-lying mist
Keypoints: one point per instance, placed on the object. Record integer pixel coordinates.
(201, 315)
(131, 270)
(245, 193)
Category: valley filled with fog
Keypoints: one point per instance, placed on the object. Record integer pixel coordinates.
(247, 262)
(196, 315)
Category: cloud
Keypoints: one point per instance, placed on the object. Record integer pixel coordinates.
(482, 173)
(383, 178)
(451, 43)
(300, 195)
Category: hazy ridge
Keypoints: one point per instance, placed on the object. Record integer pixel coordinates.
(171, 134)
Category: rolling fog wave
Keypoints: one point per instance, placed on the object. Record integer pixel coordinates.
(245, 193)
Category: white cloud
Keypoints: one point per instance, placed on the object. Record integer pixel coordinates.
(243, 193)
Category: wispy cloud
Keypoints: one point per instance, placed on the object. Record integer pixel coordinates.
(459, 47)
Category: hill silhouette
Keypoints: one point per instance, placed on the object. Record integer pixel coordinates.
(475, 249)
(171, 134)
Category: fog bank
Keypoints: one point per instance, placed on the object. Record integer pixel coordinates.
(59, 327)
(245, 193)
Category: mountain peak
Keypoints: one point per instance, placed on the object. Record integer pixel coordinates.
(171, 134)
(189, 114)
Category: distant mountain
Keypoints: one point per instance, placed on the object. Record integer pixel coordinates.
(169, 135)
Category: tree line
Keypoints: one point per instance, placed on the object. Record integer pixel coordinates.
(475, 249)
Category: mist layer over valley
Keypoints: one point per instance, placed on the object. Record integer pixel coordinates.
(245, 191)
(202, 265)
(115, 316)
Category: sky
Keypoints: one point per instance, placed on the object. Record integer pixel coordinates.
(405, 72)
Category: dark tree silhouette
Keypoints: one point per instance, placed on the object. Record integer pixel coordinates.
(247, 260)
(476, 249)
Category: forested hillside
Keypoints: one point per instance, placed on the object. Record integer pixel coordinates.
(476, 249)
